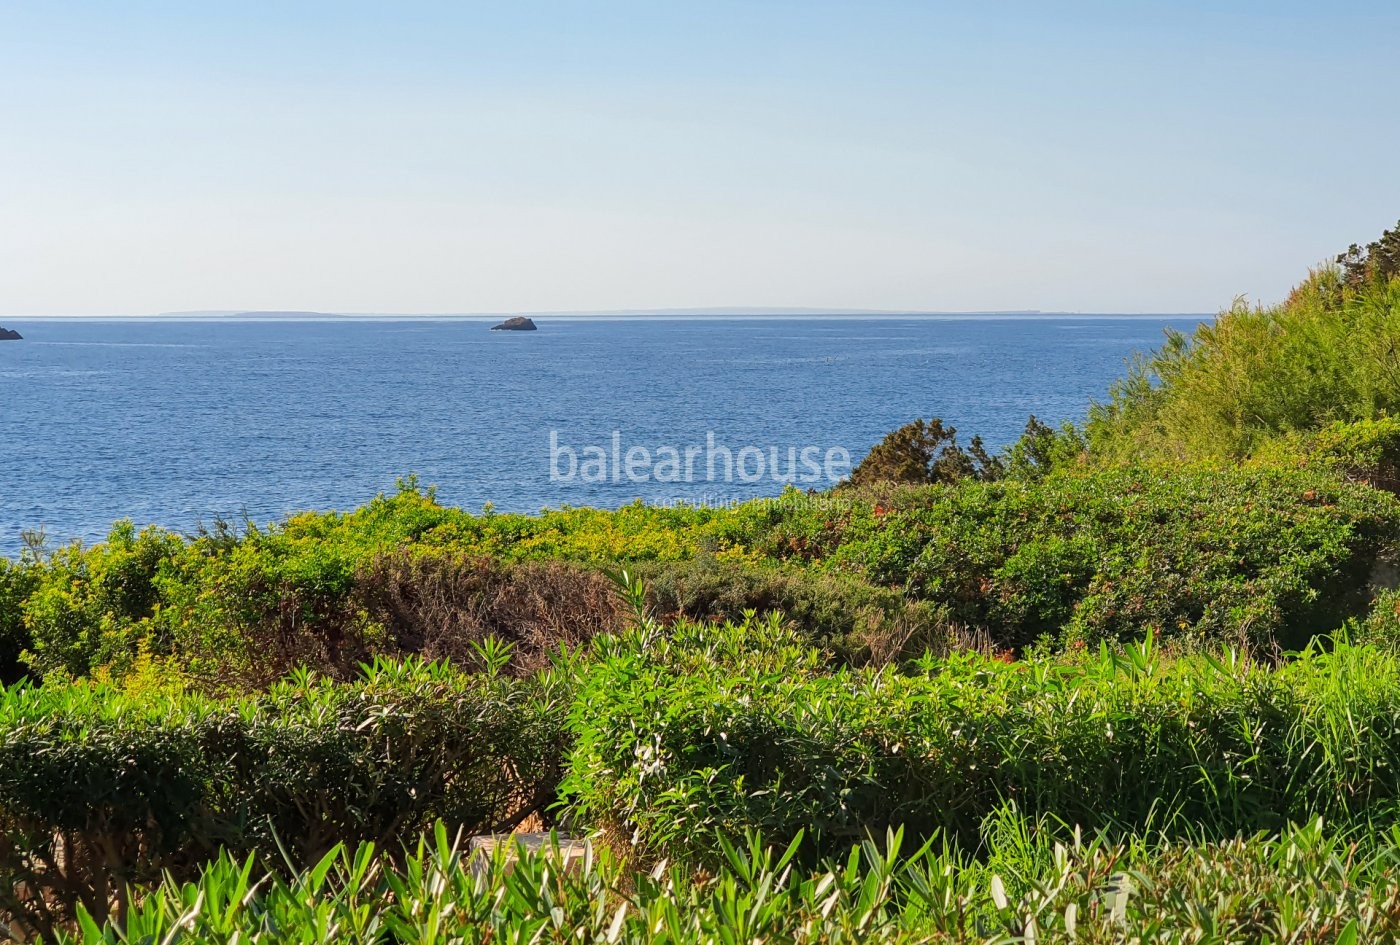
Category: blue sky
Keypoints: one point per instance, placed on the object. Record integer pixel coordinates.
(532, 156)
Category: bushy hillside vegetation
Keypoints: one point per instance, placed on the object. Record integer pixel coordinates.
(1260, 558)
(1330, 353)
(1100, 793)
(1138, 680)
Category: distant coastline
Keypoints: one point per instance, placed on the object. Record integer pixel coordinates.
(731, 312)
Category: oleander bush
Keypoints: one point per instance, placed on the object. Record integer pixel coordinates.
(102, 788)
(1309, 884)
(681, 742)
(703, 730)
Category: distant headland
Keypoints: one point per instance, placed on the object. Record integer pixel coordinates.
(251, 314)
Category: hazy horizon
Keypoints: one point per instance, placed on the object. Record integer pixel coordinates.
(549, 156)
(716, 313)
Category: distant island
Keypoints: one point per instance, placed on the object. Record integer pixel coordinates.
(9, 334)
(518, 323)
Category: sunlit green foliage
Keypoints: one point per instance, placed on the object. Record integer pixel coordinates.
(1330, 353)
(103, 785)
(1377, 261)
(923, 452)
(1249, 557)
(1309, 885)
(737, 728)
(1364, 451)
(1381, 626)
(1255, 557)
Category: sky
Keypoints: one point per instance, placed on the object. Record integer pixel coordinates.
(539, 156)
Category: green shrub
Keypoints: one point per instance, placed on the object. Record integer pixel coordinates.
(857, 622)
(1328, 354)
(1256, 558)
(1382, 625)
(1364, 451)
(93, 606)
(1042, 450)
(1308, 885)
(400, 575)
(755, 735)
(17, 581)
(100, 788)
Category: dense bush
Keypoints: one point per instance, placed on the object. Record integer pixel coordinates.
(89, 604)
(331, 589)
(1262, 556)
(1042, 449)
(1309, 885)
(1365, 451)
(740, 728)
(440, 604)
(17, 583)
(1382, 625)
(1330, 353)
(857, 622)
(1248, 557)
(101, 787)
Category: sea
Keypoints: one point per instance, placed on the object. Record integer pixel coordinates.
(183, 421)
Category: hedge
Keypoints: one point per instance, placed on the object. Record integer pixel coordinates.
(740, 728)
(101, 787)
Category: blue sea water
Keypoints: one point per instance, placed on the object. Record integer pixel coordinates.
(178, 422)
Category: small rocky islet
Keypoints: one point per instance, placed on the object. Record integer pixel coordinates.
(518, 323)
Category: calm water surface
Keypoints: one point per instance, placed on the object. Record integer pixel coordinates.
(177, 422)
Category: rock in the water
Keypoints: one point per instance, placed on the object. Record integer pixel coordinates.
(518, 323)
(7, 334)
